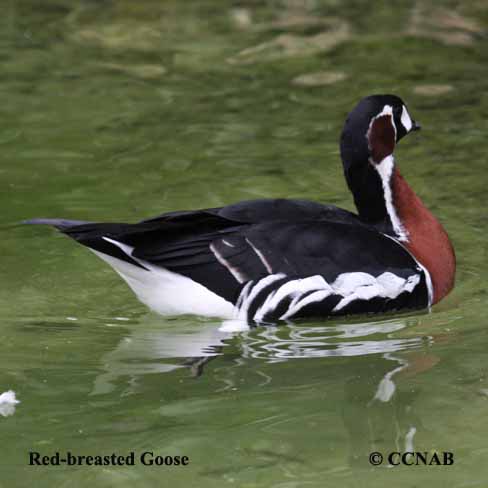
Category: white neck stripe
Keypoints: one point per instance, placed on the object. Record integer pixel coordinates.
(385, 171)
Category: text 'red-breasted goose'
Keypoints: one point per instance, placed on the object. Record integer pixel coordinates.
(277, 259)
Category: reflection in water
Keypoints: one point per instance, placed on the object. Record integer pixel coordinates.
(385, 423)
(292, 342)
(148, 351)
(386, 388)
(377, 415)
(409, 447)
(161, 351)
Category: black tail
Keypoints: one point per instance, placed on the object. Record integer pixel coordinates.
(92, 235)
(166, 238)
(60, 224)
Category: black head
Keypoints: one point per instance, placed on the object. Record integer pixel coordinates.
(370, 134)
(374, 106)
(377, 123)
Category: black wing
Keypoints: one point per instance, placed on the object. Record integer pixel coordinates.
(249, 251)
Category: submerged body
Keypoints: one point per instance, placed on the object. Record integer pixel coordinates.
(268, 260)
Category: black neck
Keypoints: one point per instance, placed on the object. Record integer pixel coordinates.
(363, 180)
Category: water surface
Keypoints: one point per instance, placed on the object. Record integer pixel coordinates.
(122, 110)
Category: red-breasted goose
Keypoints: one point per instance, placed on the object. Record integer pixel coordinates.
(277, 259)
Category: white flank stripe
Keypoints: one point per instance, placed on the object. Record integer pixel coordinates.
(260, 256)
(294, 288)
(232, 270)
(262, 283)
(393, 284)
(243, 294)
(267, 305)
(362, 293)
(383, 287)
(347, 283)
(351, 286)
(317, 296)
(412, 282)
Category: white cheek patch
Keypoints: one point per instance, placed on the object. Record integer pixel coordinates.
(406, 120)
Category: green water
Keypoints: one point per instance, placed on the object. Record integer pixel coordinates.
(119, 110)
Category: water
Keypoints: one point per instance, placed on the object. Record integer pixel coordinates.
(123, 110)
